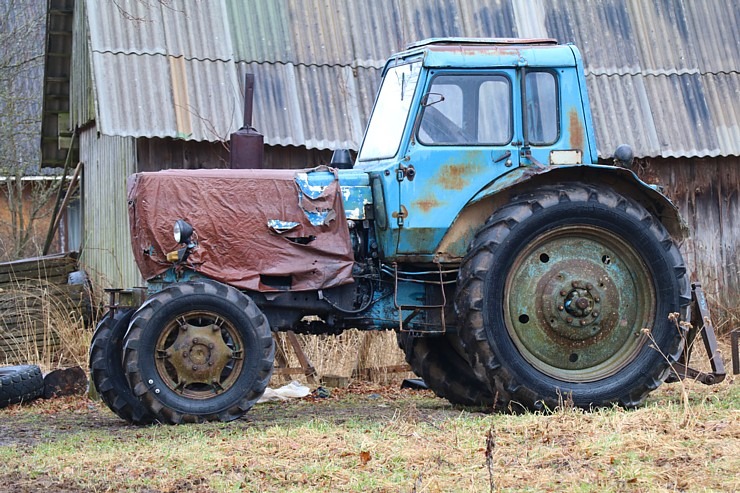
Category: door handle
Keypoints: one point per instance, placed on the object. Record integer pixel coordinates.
(505, 155)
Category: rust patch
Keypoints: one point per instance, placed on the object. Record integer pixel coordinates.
(575, 129)
(427, 204)
(456, 176)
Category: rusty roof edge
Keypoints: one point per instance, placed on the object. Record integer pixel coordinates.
(481, 41)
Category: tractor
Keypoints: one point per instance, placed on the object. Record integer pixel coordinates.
(476, 221)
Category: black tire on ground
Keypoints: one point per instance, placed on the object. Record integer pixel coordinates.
(106, 369)
(555, 292)
(20, 383)
(198, 351)
(444, 368)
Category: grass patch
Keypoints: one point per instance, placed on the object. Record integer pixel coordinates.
(382, 439)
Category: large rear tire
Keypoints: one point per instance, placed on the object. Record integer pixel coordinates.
(565, 294)
(198, 351)
(106, 368)
(443, 366)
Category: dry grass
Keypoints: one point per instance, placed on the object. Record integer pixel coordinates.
(381, 439)
(343, 354)
(42, 325)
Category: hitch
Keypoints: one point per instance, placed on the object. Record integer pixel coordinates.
(700, 322)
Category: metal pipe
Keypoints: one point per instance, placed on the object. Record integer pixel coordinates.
(248, 100)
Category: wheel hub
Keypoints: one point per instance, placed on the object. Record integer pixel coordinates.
(199, 354)
(573, 309)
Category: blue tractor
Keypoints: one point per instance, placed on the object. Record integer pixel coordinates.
(476, 221)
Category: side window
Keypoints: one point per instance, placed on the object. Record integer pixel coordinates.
(542, 108)
(467, 110)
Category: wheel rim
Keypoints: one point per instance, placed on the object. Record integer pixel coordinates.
(576, 301)
(199, 355)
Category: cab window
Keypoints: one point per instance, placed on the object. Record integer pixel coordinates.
(467, 110)
(542, 108)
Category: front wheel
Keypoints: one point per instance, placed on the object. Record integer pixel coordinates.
(106, 369)
(566, 294)
(198, 351)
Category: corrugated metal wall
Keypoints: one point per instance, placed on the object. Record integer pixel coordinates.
(106, 254)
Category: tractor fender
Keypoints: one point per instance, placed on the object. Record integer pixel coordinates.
(498, 193)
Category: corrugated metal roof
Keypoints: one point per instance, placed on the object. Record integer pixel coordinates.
(658, 71)
(195, 30)
(321, 107)
(165, 96)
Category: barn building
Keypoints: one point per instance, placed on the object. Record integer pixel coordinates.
(148, 85)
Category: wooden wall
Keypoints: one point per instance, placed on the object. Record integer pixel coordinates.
(158, 154)
(36, 299)
(706, 192)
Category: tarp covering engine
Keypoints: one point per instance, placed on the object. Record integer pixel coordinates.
(256, 229)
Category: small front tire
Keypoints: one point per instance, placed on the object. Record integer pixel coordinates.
(106, 368)
(198, 351)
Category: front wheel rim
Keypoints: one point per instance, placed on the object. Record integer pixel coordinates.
(199, 355)
(576, 302)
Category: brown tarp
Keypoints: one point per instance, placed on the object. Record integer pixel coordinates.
(244, 221)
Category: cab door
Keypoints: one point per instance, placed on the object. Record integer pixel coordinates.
(465, 136)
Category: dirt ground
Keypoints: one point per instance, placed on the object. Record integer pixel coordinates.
(43, 421)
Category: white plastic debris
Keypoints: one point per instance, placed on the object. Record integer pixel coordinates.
(293, 390)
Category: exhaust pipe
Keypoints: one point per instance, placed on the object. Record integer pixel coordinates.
(247, 144)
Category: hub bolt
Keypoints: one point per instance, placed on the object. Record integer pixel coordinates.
(569, 319)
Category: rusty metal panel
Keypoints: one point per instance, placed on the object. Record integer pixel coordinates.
(106, 250)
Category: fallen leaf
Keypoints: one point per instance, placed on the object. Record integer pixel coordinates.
(364, 457)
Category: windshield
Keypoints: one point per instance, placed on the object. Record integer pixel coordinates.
(391, 111)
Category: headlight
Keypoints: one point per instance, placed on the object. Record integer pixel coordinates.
(182, 231)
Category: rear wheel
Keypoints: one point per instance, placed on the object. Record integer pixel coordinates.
(106, 368)
(440, 361)
(566, 293)
(198, 351)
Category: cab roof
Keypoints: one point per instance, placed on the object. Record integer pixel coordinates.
(490, 52)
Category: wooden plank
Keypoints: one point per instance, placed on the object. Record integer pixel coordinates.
(54, 275)
(372, 373)
(307, 366)
(288, 371)
(68, 256)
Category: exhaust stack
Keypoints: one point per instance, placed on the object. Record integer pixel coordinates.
(247, 144)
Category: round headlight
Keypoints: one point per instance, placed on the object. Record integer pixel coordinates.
(182, 231)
